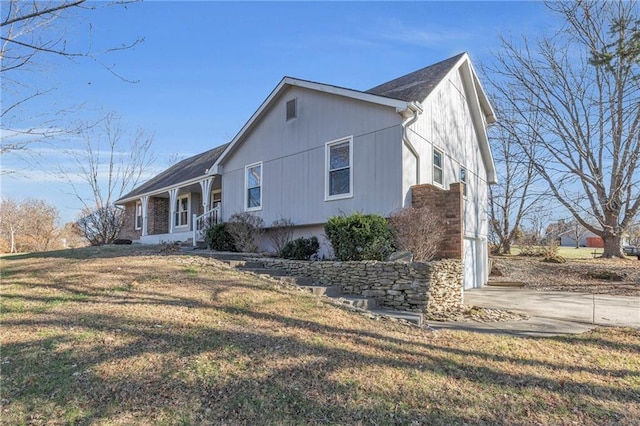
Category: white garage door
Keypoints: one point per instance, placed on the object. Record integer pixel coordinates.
(470, 261)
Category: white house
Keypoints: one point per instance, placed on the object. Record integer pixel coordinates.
(313, 150)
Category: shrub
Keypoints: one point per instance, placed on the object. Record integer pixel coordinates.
(102, 225)
(418, 230)
(529, 248)
(360, 237)
(280, 234)
(219, 238)
(301, 249)
(246, 230)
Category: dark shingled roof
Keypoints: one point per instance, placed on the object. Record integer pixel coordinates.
(185, 170)
(417, 85)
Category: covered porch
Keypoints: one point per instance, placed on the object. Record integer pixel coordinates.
(181, 213)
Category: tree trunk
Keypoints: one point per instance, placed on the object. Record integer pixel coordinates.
(612, 246)
(13, 242)
(506, 247)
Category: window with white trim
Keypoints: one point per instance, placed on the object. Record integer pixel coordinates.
(463, 180)
(138, 220)
(437, 167)
(182, 211)
(253, 187)
(339, 170)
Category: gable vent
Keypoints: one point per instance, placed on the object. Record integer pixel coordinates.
(291, 109)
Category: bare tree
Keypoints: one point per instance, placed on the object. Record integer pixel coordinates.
(634, 234)
(32, 35)
(537, 221)
(110, 162)
(511, 199)
(584, 84)
(280, 233)
(28, 225)
(12, 223)
(420, 231)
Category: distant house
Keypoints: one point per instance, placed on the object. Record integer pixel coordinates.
(565, 234)
(588, 239)
(313, 150)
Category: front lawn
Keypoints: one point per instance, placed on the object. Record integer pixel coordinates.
(128, 336)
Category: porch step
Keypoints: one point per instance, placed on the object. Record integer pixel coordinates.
(300, 281)
(321, 290)
(245, 264)
(227, 256)
(367, 303)
(413, 317)
(332, 291)
(504, 283)
(264, 271)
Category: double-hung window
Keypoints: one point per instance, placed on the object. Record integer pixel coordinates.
(463, 180)
(253, 187)
(182, 211)
(339, 169)
(138, 222)
(437, 167)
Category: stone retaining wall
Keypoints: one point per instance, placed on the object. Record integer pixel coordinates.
(434, 288)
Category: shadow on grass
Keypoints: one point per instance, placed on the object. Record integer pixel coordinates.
(301, 386)
(235, 363)
(106, 252)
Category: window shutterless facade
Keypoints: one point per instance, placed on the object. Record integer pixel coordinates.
(463, 180)
(437, 167)
(182, 211)
(253, 187)
(138, 222)
(339, 169)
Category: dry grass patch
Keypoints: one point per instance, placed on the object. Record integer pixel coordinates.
(136, 338)
(577, 275)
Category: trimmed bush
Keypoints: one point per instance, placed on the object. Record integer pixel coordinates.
(219, 238)
(360, 237)
(300, 249)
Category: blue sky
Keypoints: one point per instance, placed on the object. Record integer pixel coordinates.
(205, 67)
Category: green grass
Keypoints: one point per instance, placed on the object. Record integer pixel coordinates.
(199, 343)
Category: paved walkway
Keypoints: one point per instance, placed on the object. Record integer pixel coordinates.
(551, 312)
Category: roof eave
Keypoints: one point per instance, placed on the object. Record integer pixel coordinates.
(191, 181)
(287, 82)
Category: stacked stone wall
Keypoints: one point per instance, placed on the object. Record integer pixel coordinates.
(433, 288)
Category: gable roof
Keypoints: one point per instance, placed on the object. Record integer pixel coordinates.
(183, 171)
(404, 93)
(287, 82)
(416, 86)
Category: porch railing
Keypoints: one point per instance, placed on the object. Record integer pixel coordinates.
(203, 222)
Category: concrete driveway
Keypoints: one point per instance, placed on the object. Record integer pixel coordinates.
(551, 312)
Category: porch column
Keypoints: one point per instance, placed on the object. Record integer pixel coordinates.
(145, 207)
(173, 197)
(205, 185)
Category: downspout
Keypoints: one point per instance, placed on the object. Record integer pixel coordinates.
(416, 110)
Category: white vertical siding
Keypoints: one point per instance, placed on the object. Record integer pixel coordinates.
(447, 124)
(293, 157)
